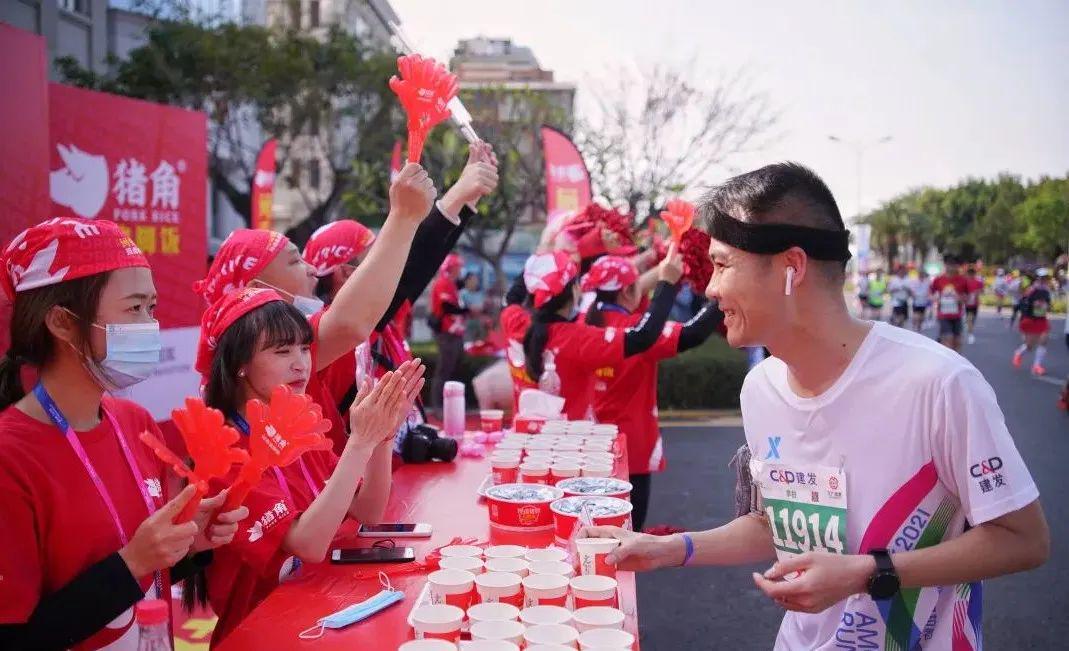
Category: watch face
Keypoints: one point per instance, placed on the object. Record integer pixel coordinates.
(884, 586)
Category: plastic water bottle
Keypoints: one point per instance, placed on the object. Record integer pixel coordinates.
(152, 616)
(453, 409)
(550, 381)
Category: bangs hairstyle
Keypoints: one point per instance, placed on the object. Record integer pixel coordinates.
(782, 193)
(272, 325)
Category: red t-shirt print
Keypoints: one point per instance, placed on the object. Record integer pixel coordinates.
(950, 295)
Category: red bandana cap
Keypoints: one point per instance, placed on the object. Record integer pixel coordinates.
(335, 244)
(547, 274)
(609, 274)
(451, 262)
(239, 261)
(222, 314)
(65, 248)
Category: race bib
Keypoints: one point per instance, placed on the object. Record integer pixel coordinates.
(948, 304)
(1039, 309)
(805, 506)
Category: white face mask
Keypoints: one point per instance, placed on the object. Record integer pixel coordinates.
(306, 305)
(133, 353)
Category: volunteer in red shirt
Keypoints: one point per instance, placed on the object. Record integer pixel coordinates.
(972, 301)
(576, 348)
(87, 529)
(949, 292)
(253, 341)
(270, 260)
(1034, 326)
(449, 316)
(626, 393)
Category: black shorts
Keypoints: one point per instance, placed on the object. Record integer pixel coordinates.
(920, 309)
(950, 327)
(971, 310)
(900, 310)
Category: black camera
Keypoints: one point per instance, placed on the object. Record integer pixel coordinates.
(423, 443)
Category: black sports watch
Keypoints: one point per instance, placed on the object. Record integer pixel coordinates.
(884, 583)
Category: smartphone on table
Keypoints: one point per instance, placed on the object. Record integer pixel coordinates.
(373, 555)
(395, 530)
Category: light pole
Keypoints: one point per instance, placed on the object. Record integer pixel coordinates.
(859, 148)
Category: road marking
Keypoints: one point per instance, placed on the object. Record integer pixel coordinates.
(1049, 380)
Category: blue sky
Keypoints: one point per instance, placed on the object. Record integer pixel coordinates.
(963, 88)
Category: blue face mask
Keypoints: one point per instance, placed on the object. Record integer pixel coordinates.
(133, 353)
(307, 305)
(356, 612)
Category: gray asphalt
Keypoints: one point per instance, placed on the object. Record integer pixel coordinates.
(714, 608)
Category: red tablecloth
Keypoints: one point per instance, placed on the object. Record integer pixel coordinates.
(442, 494)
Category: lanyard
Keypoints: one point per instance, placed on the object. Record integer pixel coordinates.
(613, 307)
(60, 421)
(243, 426)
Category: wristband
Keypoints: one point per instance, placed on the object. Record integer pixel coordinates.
(688, 542)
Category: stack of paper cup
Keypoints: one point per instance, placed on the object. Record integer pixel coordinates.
(504, 551)
(453, 587)
(606, 639)
(466, 563)
(427, 645)
(542, 615)
(488, 645)
(545, 589)
(507, 564)
(593, 617)
(509, 631)
(500, 586)
(593, 590)
(546, 554)
(494, 612)
(552, 567)
(438, 621)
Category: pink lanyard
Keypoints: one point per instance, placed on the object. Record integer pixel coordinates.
(243, 427)
(60, 422)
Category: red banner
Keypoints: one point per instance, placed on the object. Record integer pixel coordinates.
(263, 186)
(567, 179)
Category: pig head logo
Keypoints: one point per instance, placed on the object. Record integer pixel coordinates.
(82, 185)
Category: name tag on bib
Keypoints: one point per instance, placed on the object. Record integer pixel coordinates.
(805, 506)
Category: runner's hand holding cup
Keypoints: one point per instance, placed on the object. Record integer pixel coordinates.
(639, 552)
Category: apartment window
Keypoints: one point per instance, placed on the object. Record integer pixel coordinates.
(313, 13)
(313, 174)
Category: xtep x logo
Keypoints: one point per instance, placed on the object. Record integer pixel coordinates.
(773, 447)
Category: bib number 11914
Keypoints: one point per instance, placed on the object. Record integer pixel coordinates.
(798, 528)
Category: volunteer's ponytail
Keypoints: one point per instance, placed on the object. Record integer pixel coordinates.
(31, 340)
(534, 342)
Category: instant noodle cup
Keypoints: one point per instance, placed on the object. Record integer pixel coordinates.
(502, 587)
(494, 612)
(596, 469)
(545, 589)
(534, 472)
(507, 564)
(520, 507)
(592, 553)
(563, 470)
(611, 511)
(592, 617)
(451, 587)
(543, 615)
(427, 645)
(505, 470)
(593, 590)
(560, 634)
(546, 554)
(490, 419)
(488, 645)
(470, 551)
(602, 486)
(437, 621)
(528, 424)
(466, 563)
(561, 568)
(510, 631)
(606, 639)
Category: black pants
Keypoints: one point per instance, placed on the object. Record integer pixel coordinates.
(640, 499)
(450, 350)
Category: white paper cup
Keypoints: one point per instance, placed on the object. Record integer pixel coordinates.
(596, 445)
(548, 647)
(593, 590)
(606, 639)
(562, 634)
(540, 443)
(563, 470)
(504, 551)
(546, 554)
(552, 567)
(466, 563)
(542, 615)
(567, 447)
(488, 645)
(509, 444)
(587, 619)
(574, 457)
(592, 553)
(500, 586)
(510, 631)
(461, 550)
(602, 457)
(505, 470)
(596, 469)
(437, 621)
(545, 590)
(494, 612)
(427, 645)
(507, 564)
(451, 587)
(531, 455)
(532, 472)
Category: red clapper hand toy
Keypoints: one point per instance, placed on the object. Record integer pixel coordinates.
(209, 440)
(425, 88)
(679, 215)
(279, 433)
(182, 470)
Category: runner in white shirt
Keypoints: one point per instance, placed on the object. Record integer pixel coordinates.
(872, 447)
(898, 288)
(920, 288)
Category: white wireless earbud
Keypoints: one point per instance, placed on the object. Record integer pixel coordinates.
(790, 281)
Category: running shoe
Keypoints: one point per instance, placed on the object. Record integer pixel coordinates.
(1018, 358)
(972, 339)
(1038, 370)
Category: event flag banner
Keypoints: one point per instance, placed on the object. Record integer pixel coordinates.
(263, 186)
(567, 178)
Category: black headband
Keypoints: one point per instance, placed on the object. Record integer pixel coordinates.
(767, 239)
